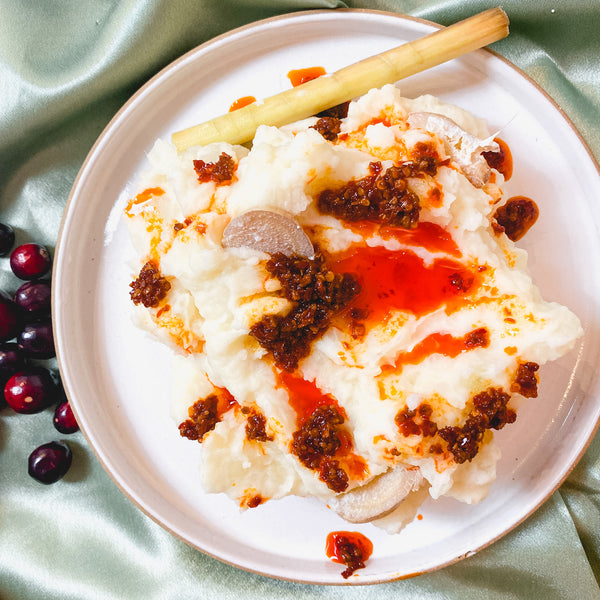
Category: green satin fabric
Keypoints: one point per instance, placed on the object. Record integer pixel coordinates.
(66, 67)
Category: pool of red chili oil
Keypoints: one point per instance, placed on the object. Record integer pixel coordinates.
(305, 396)
(442, 343)
(400, 280)
(349, 548)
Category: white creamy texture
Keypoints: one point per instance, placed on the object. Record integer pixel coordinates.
(217, 294)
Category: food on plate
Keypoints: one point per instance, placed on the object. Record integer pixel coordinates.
(349, 315)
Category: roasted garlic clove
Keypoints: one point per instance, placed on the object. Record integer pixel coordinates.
(378, 497)
(267, 231)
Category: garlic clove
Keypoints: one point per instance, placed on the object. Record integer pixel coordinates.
(378, 497)
(267, 231)
(464, 148)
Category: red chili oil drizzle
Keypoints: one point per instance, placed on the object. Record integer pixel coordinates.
(426, 235)
(305, 396)
(400, 280)
(502, 161)
(442, 343)
(299, 76)
(145, 195)
(430, 236)
(349, 548)
(241, 102)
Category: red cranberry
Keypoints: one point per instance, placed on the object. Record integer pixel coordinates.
(50, 462)
(30, 261)
(33, 297)
(10, 318)
(64, 419)
(11, 361)
(7, 239)
(36, 339)
(30, 391)
(11, 358)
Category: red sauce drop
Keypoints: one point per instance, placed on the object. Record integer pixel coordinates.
(435, 197)
(299, 76)
(349, 548)
(147, 194)
(517, 216)
(376, 120)
(241, 102)
(501, 161)
(225, 400)
(305, 396)
(400, 280)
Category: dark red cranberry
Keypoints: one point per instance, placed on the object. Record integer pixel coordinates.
(11, 358)
(31, 390)
(7, 239)
(11, 361)
(64, 419)
(33, 297)
(50, 462)
(10, 318)
(36, 339)
(30, 261)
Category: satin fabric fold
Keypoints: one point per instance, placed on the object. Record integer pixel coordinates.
(66, 67)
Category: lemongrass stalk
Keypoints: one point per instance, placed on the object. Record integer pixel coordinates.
(314, 96)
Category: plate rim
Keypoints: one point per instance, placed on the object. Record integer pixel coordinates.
(86, 165)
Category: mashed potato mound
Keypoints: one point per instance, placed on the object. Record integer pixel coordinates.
(376, 368)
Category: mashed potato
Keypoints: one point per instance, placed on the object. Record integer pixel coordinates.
(374, 370)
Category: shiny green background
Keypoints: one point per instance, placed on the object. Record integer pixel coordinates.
(66, 67)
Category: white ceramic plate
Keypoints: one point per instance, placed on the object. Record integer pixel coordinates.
(118, 379)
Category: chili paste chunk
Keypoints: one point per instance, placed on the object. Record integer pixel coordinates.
(204, 416)
(517, 216)
(490, 411)
(382, 197)
(317, 441)
(221, 172)
(317, 292)
(150, 287)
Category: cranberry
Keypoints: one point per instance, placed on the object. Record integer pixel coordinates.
(64, 419)
(10, 318)
(30, 391)
(11, 361)
(11, 358)
(30, 261)
(7, 239)
(33, 297)
(49, 462)
(36, 339)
